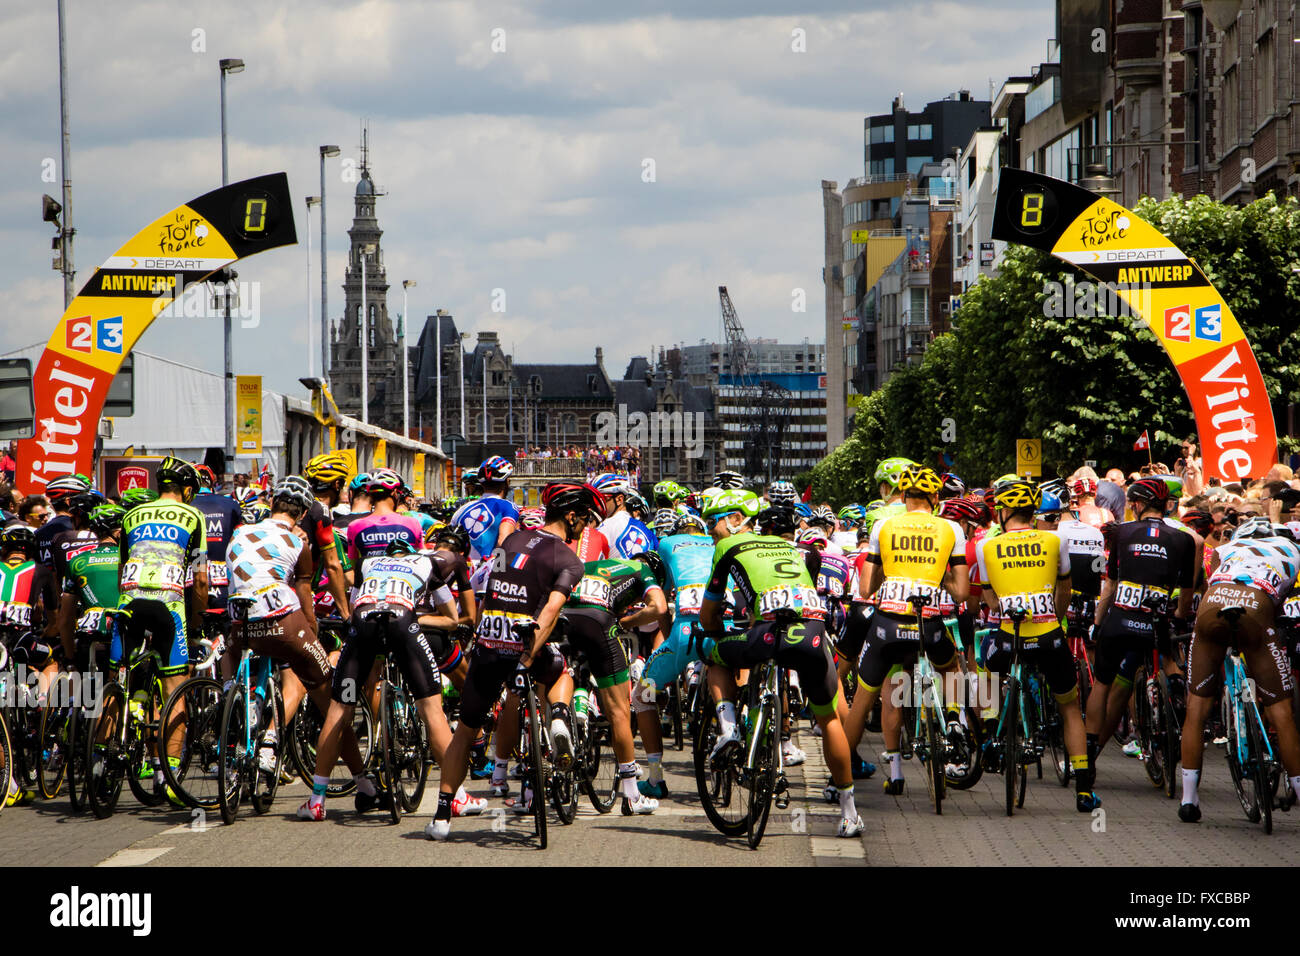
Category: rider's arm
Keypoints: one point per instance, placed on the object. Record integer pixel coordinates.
(656, 608)
(958, 583)
(872, 577)
(334, 576)
(1063, 594)
(1106, 600)
(711, 616)
(67, 623)
(302, 579)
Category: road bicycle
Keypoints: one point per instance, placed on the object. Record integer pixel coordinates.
(403, 736)
(925, 734)
(72, 697)
(1026, 716)
(535, 754)
(193, 713)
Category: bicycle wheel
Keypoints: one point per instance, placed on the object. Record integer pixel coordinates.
(233, 752)
(537, 765)
(963, 768)
(304, 732)
(1054, 737)
(106, 759)
(1148, 733)
(76, 762)
(1261, 772)
(145, 775)
(722, 794)
(1011, 763)
(936, 756)
(194, 711)
(600, 778)
(390, 747)
(6, 758)
(564, 783)
(1173, 741)
(765, 764)
(675, 709)
(55, 724)
(263, 784)
(1085, 685)
(1244, 787)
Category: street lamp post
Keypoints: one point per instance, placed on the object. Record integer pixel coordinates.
(461, 360)
(437, 348)
(311, 201)
(406, 383)
(228, 65)
(66, 231)
(366, 250)
(325, 151)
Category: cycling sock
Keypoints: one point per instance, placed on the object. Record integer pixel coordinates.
(627, 780)
(499, 771)
(1191, 783)
(727, 717)
(319, 786)
(444, 807)
(895, 760)
(655, 768)
(364, 784)
(848, 809)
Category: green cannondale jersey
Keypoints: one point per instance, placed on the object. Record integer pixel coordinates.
(770, 575)
(93, 580)
(612, 585)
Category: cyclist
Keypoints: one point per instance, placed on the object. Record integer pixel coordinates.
(1083, 500)
(91, 584)
(916, 553)
(1256, 571)
(728, 480)
(1028, 569)
(491, 518)
(526, 591)
(326, 474)
(687, 555)
(222, 516)
(782, 493)
(851, 518)
(1147, 562)
(370, 535)
(626, 534)
(60, 492)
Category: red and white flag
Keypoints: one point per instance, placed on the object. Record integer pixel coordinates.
(1143, 442)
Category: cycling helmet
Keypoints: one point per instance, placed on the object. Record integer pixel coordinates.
(655, 563)
(822, 515)
(255, 513)
(851, 515)
(207, 478)
(138, 496)
(1055, 486)
(59, 489)
(1083, 486)
(610, 483)
(730, 502)
(454, 535)
(562, 496)
(294, 489)
(495, 469)
(1006, 479)
(1255, 526)
(106, 518)
(1051, 503)
(670, 492)
(532, 517)
(729, 480)
(1018, 494)
(813, 536)
(802, 510)
(400, 546)
(174, 471)
(1202, 522)
(960, 509)
(782, 493)
(665, 518)
(358, 483)
(635, 504)
(383, 481)
(85, 502)
(777, 520)
(1151, 490)
(919, 480)
(18, 536)
(689, 522)
(953, 487)
(1175, 485)
(887, 471)
(470, 478)
(324, 470)
(246, 496)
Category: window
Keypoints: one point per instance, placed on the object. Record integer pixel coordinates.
(479, 427)
(914, 163)
(920, 131)
(882, 134)
(1231, 92)
(1265, 78)
(970, 172)
(595, 423)
(882, 167)
(569, 424)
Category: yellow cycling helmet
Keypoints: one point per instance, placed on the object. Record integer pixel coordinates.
(1018, 494)
(327, 469)
(920, 479)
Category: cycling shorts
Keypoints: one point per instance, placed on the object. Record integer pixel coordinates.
(802, 646)
(160, 613)
(285, 639)
(1257, 636)
(594, 634)
(445, 649)
(1049, 653)
(673, 656)
(371, 637)
(891, 641)
(490, 671)
(1123, 641)
(856, 628)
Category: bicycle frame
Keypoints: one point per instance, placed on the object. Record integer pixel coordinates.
(1243, 707)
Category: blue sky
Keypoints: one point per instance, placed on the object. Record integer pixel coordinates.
(518, 169)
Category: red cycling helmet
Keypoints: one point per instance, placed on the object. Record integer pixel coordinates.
(579, 496)
(960, 509)
(1083, 486)
(1202, 522)
(1152, 490)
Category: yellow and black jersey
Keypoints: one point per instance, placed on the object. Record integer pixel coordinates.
(1022, 568)
(914, 549)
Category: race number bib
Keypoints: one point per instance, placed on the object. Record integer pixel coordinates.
(138, 575)
(496, 629)
(91, 620)
(895, 595)
(217, 577)
(1038, 605)
(1242, 569)
(690, 599)
(1291, 606)
(834, 586)
(15, 614)
(1130, 596)
(387, 591)
(801, 600)
(593, 590)
(947, 604)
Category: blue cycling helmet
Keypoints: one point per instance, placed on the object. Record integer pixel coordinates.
(358, 483)
(802, 510)
(1051, 505)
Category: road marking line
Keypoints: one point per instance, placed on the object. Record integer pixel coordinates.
(835, 848)
(134, 857)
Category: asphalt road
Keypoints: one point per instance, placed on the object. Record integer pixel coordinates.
(1139, 826)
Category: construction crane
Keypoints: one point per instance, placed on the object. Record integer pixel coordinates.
(764, 406)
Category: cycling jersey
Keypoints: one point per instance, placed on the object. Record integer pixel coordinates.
(627, 536)
(450, 568)
(591, 545)
(612, 585)
(161, 540)
(23, 585)
(370, 535)
(67, 544)
(1149, 559)
(404, 581)
(46, 534)
(481, 519)
(222, 516)
(914, 549)
(689, 561)
(880, 514)
(1022, 568)
(846, 541)
(93, 580)
(770, 575)
(1267, 564)
(1087, 548)
(833, 575)
(426, 521)
(534, 563)
(263, 561)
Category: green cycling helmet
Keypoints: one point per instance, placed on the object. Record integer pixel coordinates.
(138, 496)
(733, 501)
(1175, 485)
(887, 471)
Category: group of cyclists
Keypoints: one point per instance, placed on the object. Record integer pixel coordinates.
(327, 574)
